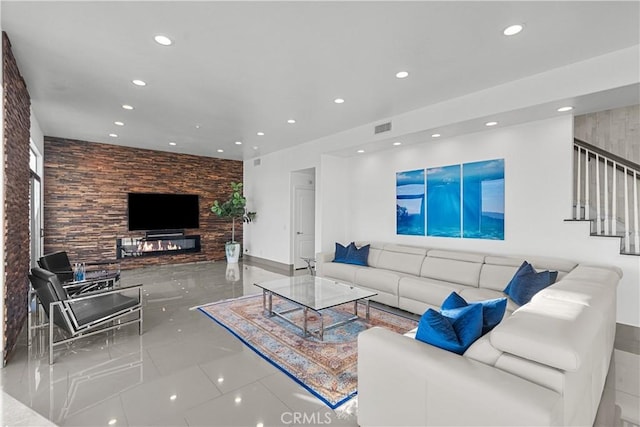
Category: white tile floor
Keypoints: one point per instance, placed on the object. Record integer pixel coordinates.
(185, 370)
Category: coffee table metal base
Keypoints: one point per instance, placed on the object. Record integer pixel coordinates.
(267, 305)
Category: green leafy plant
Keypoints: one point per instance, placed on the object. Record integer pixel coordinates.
(234, 208)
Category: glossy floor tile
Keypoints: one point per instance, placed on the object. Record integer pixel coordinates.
(186, 370)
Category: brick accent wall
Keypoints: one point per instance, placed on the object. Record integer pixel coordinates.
(17, 117)
(85, 197)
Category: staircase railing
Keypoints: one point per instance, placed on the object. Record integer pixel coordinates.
(606, 193)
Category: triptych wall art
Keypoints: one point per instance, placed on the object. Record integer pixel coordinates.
(452, 201)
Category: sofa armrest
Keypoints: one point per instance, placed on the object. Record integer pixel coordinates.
(321, 259)
(406, 382)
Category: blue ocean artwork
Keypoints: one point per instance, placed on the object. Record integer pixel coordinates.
(483, 196)
(410, 203)
(443, 201)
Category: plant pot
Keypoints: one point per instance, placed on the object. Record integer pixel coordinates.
(232, 250)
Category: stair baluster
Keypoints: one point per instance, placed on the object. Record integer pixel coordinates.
(611, 195)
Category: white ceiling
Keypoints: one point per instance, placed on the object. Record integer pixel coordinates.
(237, 68)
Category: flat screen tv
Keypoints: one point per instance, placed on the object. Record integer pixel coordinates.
(153, 211)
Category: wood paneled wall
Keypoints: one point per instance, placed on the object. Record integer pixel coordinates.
(85, 197)
(17, 118)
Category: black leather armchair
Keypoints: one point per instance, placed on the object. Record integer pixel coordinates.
(97, 275)
(85, 314)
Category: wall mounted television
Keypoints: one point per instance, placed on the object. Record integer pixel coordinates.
(154, 211)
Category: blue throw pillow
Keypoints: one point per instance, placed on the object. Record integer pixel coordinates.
(525, 268)
(341, 252)
(527, 282)
(358, 256)
(454, 333)
(492, 309)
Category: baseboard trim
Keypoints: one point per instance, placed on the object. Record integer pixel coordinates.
(276, 267)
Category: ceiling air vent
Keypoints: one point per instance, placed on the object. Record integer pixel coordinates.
(385, 127)
(256, 162)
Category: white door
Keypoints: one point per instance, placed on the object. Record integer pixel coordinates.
(304, 223)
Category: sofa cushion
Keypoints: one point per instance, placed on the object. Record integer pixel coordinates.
(545, 331)
(600, 296)
(426, 290)
(379, 279)
(339, 271)
(527, 282)
(478, 294)
(457, 255)
(482, 351)
(405, 259)
(454, 267)
(492, 309)
(454, 332)
(496, 277)
(596, 274)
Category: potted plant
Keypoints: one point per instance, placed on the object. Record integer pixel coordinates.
(234, 209)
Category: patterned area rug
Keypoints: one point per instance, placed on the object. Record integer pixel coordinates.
(328, 368)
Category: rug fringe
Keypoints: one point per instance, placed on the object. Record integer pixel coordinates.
(348, 410)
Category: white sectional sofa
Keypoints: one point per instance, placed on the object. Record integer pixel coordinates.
(544, 364)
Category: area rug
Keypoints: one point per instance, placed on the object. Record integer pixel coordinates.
(328, 368)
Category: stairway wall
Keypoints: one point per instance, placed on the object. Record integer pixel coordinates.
(617, 131)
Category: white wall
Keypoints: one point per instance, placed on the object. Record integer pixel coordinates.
(36, 135)
(355, 196)
(267, 188)
(538, 194)
(268, 191)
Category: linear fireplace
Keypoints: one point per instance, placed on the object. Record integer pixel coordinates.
(161, 245)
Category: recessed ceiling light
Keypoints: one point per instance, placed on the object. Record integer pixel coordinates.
(402, 74)
(339, 101)
(491, 123)
(113, 135)
(260, 134)
(238, 142)
(118, 123)
(291, 121)
(220, 150)
(112, 421)
(163, 40)
(435, 135)
(173, 144)
(197, 126)
(563, 109)
(173, 397)
(138, 82)
(127, 107)
(397, 143)
(238, 399)
(360, 151)
(512, 30)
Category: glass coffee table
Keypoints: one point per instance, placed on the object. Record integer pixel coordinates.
(315, 294)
